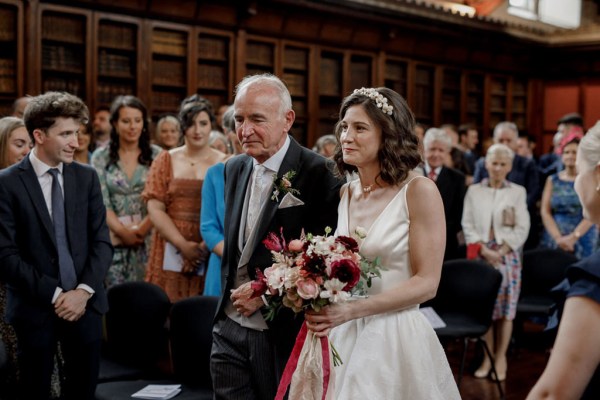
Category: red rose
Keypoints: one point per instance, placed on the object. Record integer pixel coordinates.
(346, 271)
(348, 243)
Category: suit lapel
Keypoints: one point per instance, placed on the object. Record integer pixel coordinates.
(32, 185)
(290, 162)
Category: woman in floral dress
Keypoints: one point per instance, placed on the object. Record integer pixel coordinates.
(122, 167)
(178, 254)
(562, 214)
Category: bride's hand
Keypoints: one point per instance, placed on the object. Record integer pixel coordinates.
(321, 323)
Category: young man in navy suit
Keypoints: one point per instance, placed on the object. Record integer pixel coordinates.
(249, 354)
(54, 252)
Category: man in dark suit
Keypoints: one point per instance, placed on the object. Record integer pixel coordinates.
(54, 252)
(249, 354)
(451, 184)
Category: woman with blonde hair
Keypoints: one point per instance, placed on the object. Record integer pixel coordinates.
(15, 142)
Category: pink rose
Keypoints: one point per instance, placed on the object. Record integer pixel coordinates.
(296, 245)
(286, 183)
(307, 288)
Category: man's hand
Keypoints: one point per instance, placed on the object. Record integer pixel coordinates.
(240, 298)
(70, 305)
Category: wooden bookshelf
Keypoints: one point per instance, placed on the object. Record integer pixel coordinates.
(519, 90)
(11, 55)
(331, 84)
(395, 76)
(117, 52)
(169, 68)
(475, 92)
(361, 72)
(65, 39)
(295, 73)
(450, 99)
(215, 65)
(261, 55)
(424, 85)
(498, 94)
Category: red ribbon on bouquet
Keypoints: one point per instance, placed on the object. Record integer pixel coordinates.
(292, 363)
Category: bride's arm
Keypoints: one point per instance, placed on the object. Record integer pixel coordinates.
(427, 239)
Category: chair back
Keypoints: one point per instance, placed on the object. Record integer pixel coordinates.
(467, 292)
(136, 329)
(191, 339)
(543, 269)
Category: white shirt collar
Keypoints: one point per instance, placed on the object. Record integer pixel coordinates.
(39, 166)
(275, 161)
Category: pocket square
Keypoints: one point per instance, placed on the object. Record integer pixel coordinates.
(289, 200)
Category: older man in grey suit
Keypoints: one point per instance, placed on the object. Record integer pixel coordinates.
(249, 354)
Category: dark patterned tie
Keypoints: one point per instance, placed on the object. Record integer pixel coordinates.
(68, 279)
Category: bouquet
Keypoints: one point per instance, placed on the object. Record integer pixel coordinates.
(312, 272)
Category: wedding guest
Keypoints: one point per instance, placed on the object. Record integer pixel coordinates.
(15, 144)
(83, 154)
(168, 132)
(122, 167)
(325, 145)
(565, 226)
(173, 191)
(19, 106)
(248, 355)
(572, 370)
(496, 220)
(102, 127)
(233, 143)
(389, 349)
(218, 141)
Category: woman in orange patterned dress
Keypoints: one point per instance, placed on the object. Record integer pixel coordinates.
(173, 192)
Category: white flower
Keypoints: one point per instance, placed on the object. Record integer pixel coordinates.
(275, 277)
(360, 232)
(334, 291)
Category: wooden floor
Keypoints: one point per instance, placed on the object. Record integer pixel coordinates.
(527, 358)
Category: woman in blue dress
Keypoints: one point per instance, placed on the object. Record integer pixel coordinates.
(565, 226)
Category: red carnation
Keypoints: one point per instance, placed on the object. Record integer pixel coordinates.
(348, 243)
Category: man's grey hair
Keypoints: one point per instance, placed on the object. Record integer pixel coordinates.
(268, 80)
(436, 135)
(505, 126)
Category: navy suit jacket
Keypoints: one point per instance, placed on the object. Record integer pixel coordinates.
(319, 190)
(28, 253)
(524, 172)
(451, 184)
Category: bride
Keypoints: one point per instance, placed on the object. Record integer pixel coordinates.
(389, 350)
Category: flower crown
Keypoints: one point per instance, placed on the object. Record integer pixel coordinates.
(380, 100)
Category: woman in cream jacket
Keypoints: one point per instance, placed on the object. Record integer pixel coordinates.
(496, 223)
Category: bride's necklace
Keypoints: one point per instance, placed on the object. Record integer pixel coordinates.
(367, 189)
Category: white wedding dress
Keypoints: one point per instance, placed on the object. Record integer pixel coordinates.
(396, 355)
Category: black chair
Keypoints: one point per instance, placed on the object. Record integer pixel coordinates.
(542, 270)
(465, 302)
(136, 333)
(191, 341)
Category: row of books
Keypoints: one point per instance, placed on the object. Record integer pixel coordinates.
(66, 29)
(296, 83)
(7, 24)
(116, 64)
(169, 72)
(57, 57)
(166, 101)
(73, 86)
(213, 48)
(118, 36)
(296, 59)
(212, 77)
(260, 54)
(106, 92)
(7, 75)
(168, 42)
(330, 77)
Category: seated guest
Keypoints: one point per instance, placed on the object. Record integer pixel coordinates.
(326, 145)
(450, 183)
(218, 141)
(565, 226)
(496, 223)
(572, 370)
(468, 138)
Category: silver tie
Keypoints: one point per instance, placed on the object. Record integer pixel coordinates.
(255, 202)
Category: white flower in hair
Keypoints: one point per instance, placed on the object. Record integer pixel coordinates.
(380, 100)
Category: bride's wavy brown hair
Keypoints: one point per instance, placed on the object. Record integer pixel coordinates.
(399, 151)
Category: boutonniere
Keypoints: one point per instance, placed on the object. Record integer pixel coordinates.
(284, 185)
